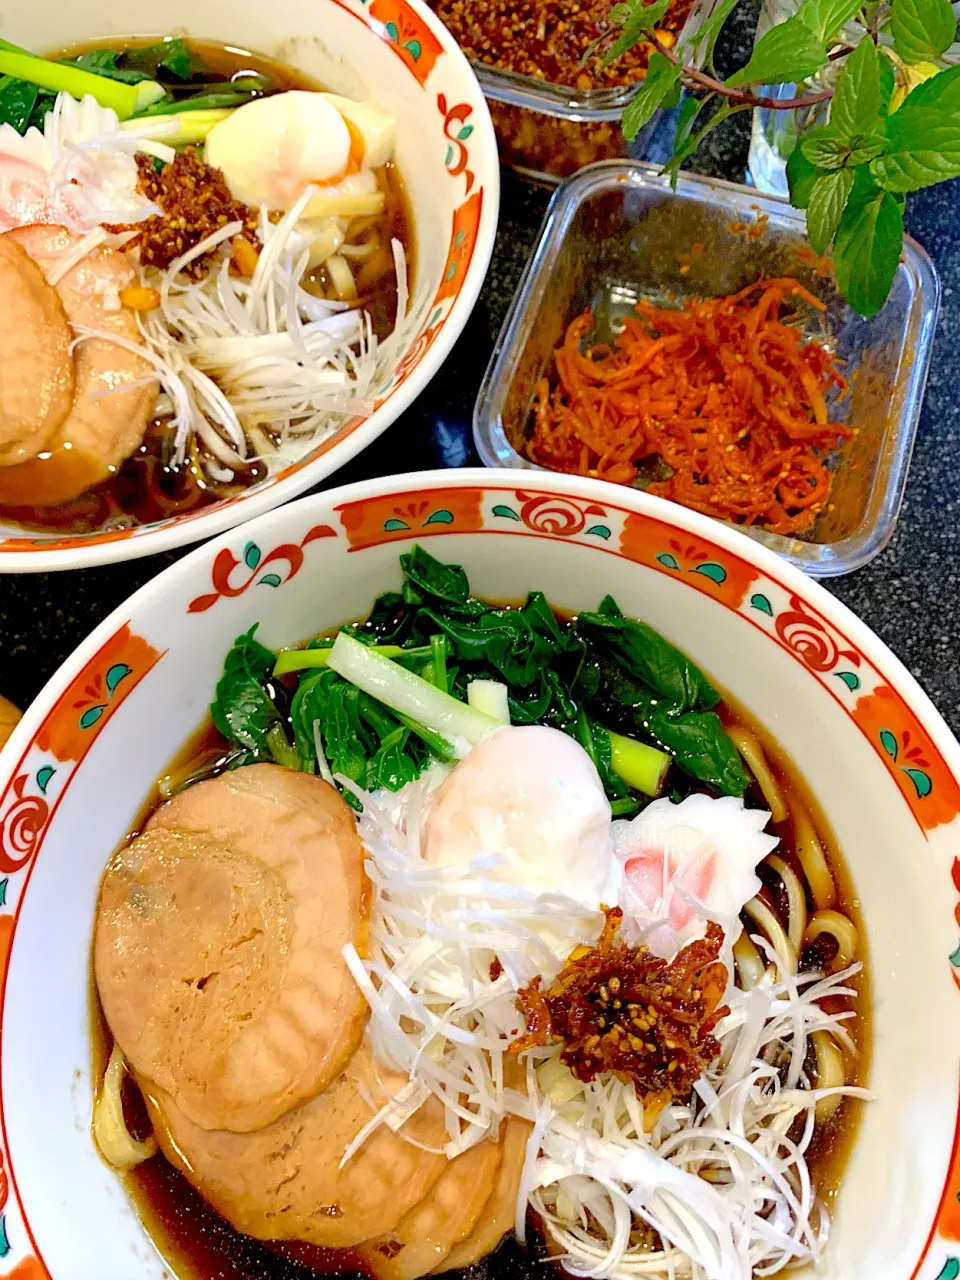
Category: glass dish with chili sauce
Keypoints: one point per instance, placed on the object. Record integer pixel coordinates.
(555, 106)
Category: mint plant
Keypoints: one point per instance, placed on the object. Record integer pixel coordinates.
(885, 80)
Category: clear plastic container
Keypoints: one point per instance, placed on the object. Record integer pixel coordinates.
(549, 131)
(617, 233)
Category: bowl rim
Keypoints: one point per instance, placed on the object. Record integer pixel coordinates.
(834, 558)
(353, 436)
(727, 537)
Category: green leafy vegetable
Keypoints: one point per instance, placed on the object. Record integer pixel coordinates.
(661, 79)
(788, 52)
(801, 177)
(172, 56)
(922, 29)
(638, 19)
(828, 197)
(856, 99)
(243, 709)
(650, 659)
(389, 696)
(703, 747)
(17, 102)
(104, 63)
(923, 136)
(867, 247)
(827, 18)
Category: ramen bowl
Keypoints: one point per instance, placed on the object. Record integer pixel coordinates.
(880, 762)
(395, 53)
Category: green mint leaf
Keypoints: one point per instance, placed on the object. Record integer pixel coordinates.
(866, 148)
(888, 82)
(620, 15)
(683, 144)
(866, 248)
(922, 29)
(827, 18)
(856, 99)
(643, 18)
(826, 149)
(801, 175)
(706, 37)
(828, 197)
(686, 141)
(923, 136)
(787, 53)
(661, 79)
(673, 98)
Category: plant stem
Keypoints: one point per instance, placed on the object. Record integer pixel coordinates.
(695, 79)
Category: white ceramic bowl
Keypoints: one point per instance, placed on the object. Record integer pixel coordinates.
(394, 52)
(879, 759)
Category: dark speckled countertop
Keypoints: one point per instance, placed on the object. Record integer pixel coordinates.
(909, 595)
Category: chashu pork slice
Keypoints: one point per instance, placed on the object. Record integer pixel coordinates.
(113, 388)
(218, 946)
(284, 1182)
(36, 367)
(424, 1238)
(500, 1211)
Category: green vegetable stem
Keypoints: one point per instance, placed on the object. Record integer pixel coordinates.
(58, 77)
(887, 74)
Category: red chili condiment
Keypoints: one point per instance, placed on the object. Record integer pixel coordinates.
(551, 40)
(621, 1009)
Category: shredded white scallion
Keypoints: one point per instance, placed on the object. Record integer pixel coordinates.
(718, 1190)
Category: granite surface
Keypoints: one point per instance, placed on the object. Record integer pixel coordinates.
(910, 595)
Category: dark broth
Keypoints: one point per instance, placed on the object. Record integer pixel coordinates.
(149, 486)
(200, 1245)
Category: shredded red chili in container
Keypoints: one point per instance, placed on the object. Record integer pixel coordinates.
(621, 1009)
(720, 405)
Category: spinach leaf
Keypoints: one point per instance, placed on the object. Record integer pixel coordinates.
(104, 63)
(244, 710)
(433, 579)
(174, 57)
(701, 747)
(341, 731)
(41, 108)
(646, 656)
(392, 766)
(390, 620)
(171, 56)
(17, 101)
(504, 639)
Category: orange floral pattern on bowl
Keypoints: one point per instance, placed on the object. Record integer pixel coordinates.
(463, 239)
(656, 545)
(407, 33)
(94, 695)
(909, 755)
(373, 521)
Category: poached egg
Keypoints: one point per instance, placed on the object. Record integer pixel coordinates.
(531, 796)
(271, 149)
